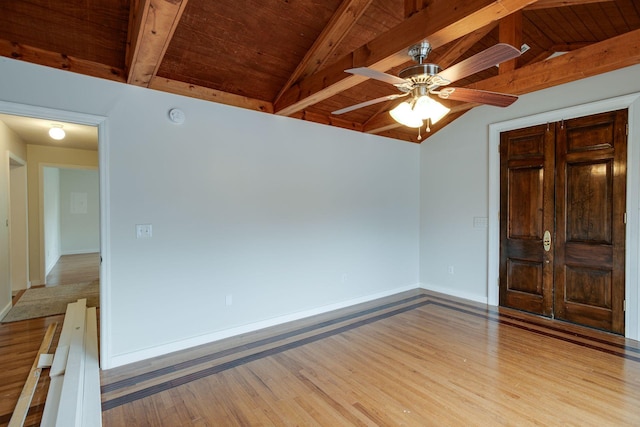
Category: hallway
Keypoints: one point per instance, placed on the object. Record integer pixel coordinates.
(75, 269)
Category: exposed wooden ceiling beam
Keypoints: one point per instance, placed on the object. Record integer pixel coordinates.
(559, 48)
(413, 6)
(510, 32)
(208, 94)
(608, 55)
(151, 27)
(602, 57)
(337, 28)
(59, 61)
(439, 23)
(327, 120)
(548, 4)
(567, 47)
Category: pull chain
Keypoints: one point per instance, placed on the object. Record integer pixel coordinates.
(420, 128)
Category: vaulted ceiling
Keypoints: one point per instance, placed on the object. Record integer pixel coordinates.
(288, 57)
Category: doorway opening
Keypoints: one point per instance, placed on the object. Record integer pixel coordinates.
(47, 117)
(71, 222)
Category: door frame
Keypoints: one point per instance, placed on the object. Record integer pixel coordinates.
(23, 237)
(101, 122)
(632, 229)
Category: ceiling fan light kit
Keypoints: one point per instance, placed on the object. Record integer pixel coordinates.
(413, 112)
(423, 79)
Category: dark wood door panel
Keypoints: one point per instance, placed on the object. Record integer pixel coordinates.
(590, 133)
(524, 276)
(588, 286)
(525, 214)
(590, 206)
(526, 211)
(525, 249)
(578, 253)
(589, 199)
(567, 178)
(588, 315)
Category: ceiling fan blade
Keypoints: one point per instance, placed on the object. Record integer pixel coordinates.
(480, 61)
(371, 102)
(479, 96)
(378, 75)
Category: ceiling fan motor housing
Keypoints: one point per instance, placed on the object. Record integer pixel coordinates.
(419, 73)
(419, 52)
(422, 75)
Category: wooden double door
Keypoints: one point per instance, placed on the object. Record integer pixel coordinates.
(562, 219)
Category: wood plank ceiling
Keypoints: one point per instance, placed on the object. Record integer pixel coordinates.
(288, 57)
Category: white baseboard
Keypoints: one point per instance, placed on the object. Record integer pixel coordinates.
(52, 264)
(5, 310)
(80, 252)
(136, 356)
(454, 293)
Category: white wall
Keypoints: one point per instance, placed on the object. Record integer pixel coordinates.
(79, 225)
(290, 218)
(51, 211)
(455, 186)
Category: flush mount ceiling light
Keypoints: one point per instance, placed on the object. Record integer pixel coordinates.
(56, 132)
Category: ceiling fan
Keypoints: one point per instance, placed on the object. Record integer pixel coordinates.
(424, 79)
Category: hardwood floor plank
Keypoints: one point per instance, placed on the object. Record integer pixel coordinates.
(24, 400)
(79, 268)
(440, 361)
(418, 359)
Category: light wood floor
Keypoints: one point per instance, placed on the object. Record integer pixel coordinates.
(415, 359)
(72, 269)
(19, 343)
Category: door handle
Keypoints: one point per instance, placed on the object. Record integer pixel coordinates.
(546, 241)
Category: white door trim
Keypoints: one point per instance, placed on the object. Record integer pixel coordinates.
(103, 163)
(23, 165)
(632, 254)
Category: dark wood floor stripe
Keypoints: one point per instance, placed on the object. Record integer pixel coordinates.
(539, 332)
(167, 385)
(495, 311)
(576, 334)
(128, 382)
(492, 316)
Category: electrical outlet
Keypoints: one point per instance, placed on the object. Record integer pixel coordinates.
(451, 271)
(228, 299)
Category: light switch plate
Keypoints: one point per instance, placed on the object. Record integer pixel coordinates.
(480, 222)
(143, 231)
